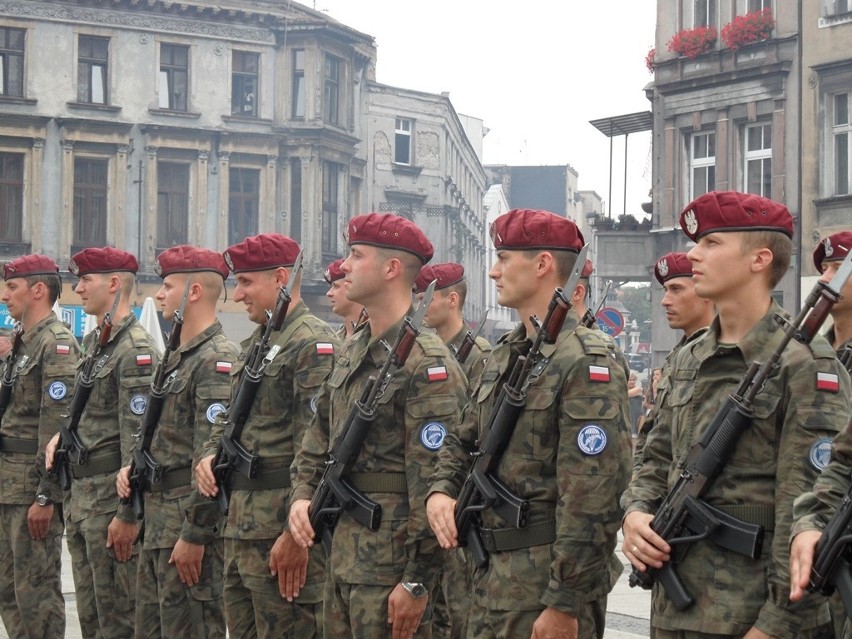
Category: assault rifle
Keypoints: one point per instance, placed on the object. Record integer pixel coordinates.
(145, 471)
(335, 493)
(10, 370)
(590, 316)
(469, 340)
(482, 488)
(684, 517)
(232, 456)
(71, 448)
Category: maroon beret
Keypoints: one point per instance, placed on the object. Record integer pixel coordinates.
(30, 265)
(333, 272)
(833, 248)
(588, 269)
(733, 211)
(190, 259)
(389, 231)
(524, 229)
(446, 275)
(672, 265)
(102, 260)
(261, 253)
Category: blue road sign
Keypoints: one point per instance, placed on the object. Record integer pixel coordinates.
(610, 321)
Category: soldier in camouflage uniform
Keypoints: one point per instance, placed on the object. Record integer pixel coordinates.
(31, 602)
(266, 591)
(568, 455)
(743, 249)
(827, 258)
(100, 533)
(350, 312)
(179, 578)
(379, 580)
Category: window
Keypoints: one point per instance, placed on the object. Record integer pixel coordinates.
(402, 141)
(758, 160)
(835, 7)
(12, 62)
(296, 199)
(330, 172)
(702, 164)
(174, 77)
(758, 5)
(840, 131)
(172, 204)
(244, 83)
(92, 65)
(704, 13)
(243, 204)
(298, 107)
(90, 202)
(11, 197)
(331, 90)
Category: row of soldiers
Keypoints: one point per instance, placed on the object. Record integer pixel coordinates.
(261, 571)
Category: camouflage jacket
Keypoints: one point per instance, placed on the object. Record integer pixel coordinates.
(113, 414)
(569, 456)
(40, 396)
(475, 362)
(572, 319)
(793, 425)
(197, 390)
(420, 405)
(844, 352)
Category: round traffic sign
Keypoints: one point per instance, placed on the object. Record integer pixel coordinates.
(610, 321)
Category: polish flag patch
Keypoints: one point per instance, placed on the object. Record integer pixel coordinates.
(827, 382)
(63, 349)
(143, 360)
(598, 373)
(223, 367)
(436, 373)
(325, 348)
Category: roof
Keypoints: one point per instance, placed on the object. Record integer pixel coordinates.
(624, 124)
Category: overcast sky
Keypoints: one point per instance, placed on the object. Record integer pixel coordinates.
(534, 71)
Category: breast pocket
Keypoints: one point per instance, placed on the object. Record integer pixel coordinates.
(104, 392)
(536, 434)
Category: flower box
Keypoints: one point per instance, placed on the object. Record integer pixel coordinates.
(693, 42)
(748, 28)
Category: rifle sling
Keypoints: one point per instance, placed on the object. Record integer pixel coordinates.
(16, 445)
(757, 515)
(174, 478)
(99, 463)
(379, 482)
(273, 473)
(502, 539)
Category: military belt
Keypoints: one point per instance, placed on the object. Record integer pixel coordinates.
(16, 445)
(175, 478)
(502, 539)
(379, 482)
(757, 515)
(108, 461)
(274, 472)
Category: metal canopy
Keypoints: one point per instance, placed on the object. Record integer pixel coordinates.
(624, 124)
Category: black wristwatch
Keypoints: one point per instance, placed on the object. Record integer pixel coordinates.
(414, 589)
(43, 500)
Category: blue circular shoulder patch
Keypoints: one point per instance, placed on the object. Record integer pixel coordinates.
(820, 453)
(592, 439)
(432, 435)
(213, 410)
(57, 390)
(138, 404)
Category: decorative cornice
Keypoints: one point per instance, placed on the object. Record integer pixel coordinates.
(136, 20)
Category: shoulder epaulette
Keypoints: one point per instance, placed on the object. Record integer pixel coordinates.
(432, 344)
(592, 343)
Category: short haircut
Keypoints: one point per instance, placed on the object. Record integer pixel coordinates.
(50, 281)
(411, 264)
(777, 242)
(564, 260)
(460, 289)
(211, 284)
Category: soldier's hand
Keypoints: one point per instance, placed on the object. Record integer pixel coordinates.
(300, 523)
(50, 451)
(120, 537)
(440, 509)
(5, 346)
(641, 545)
(204, 478)
(38, 520)
(754, 633)
(554, 624)
(405, 612)
(289, 562)
(186, 557)
(801, 560)
(122, 482)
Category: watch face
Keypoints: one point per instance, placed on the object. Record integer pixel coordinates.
(42, 500)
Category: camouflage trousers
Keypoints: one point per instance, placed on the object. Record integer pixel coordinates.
(826, 631)
(167, 608)
(452, 596)
(31, 601)
(105, 588)
(485, 623)
(361, 612)
(253, 605)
